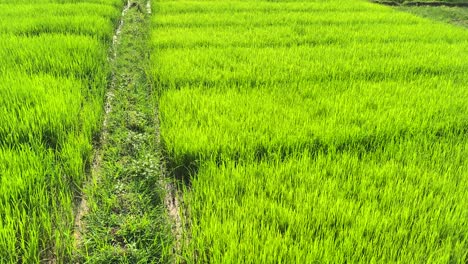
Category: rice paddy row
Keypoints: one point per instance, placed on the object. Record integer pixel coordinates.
(314, 131)
(54, 69)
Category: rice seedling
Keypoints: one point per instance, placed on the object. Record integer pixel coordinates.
(52, 78)
(314, 131)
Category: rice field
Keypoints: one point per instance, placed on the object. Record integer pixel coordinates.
(314, 131)
(53, 73)
(320, 131)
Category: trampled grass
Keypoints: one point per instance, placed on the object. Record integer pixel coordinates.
(325, 131)
(53, 57)
(126, 220)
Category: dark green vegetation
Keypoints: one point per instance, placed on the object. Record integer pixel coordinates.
(314, 131)
(454, 15)
(126, 220)
(53, 72)
(426, 2)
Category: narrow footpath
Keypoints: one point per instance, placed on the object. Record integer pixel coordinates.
(122, 216)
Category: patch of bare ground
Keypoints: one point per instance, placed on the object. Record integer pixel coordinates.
(82, 207)
(122, 217)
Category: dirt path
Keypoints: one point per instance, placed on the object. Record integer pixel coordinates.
(82, 208)
(122, 214)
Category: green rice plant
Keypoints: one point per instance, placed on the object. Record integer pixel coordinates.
(313, 116)
(114, 3)
(314, 131)
(94, 20)
(52, 77)
(383, 206)
(13, 9)
(74, 56)
(95, 26)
